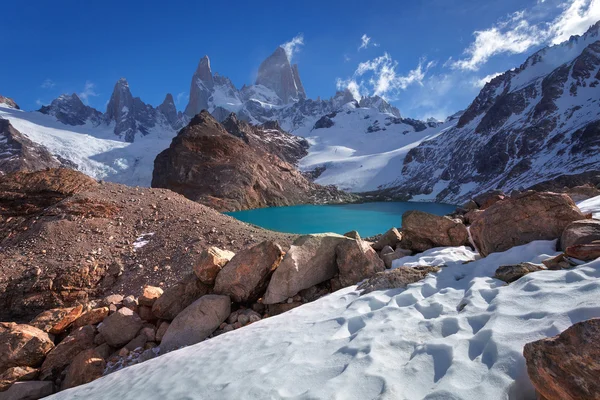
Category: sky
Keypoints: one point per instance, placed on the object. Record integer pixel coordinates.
(429, 58)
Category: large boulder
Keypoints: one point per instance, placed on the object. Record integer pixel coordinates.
(309, 261)
(55, 321)
(85, 367)
(356, 260)
(120, 327)
(176, 298)
(91, 317)
(196, 322)
(22, 345)
(522, 219)
(17, 374)
(422, 231)
(61, 356)
(389, 258)
(565, 367)
(246, 276)
(396, 278)
(580, 232)
(584, 252)
(210, 262)
(29, 390)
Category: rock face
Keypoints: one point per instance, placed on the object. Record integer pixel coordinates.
(396, 278)
(200, 88)
(18, 153)
(22, 345)
(246, 276)
(196, 322)
(565, 367)
(309, 261)
(8, 102)
(522, 219)
(422, 231)
(510, 273)
(70, 110)
(277, 74)
(210, 262)
(356, 260)
(580, 232)
(208, 165)
(120, 327)
(177, 297)
(61, 356)
(85, 367)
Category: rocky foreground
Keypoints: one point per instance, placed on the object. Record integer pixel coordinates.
(100, 276)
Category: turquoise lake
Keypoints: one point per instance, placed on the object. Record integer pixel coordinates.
(367, 218)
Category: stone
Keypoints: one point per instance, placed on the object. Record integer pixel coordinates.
(522, 219)
(356, 260)
(149, 295)
(390, 238)
(196, 322)
(557, 263)
(176, 298)
(17, 374)
(352, 235)
(146, 313)
(29, 390)
(246, 276)
(99, 339)
(92, 317)
(472, 216)
(309, 261)
(57, 360)
(104, 350)
(511, 273)
(280, 308)
(112, 299)
(486, 200)
(386, 250)
(210, 262)
(389, 258)
(130, 302)
(22, 345)
(160, 332)
(86, 367)
(580, 232)
(149, 333)
(120, 327)
(396, 278)
(55, 321)
(584, 252)
(138, 341)
(423, 231)
(565, 367)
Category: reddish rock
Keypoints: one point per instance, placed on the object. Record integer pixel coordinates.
(390, 238)
(55, 321)
(422, 231)
(149, 295)
(565, 367)
(85, 367)
(557, 263)
(17, 374)
(522, 219)
(177, 297)
(210, 262)
(356, 260)
(580, 232)
(584, 252)
(92, 317)
(22, 345)
(120, 327)
(396, 278)
(246, 276)
(57, 360)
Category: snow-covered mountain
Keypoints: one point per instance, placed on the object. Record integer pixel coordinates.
(528, 125)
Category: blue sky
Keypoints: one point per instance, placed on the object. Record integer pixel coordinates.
(427, 57)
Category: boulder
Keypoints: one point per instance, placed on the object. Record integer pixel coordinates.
(352, 235)
(472, 216)
(120, 327)
(22, 345)
(92, 317)
(149, 295)
(138, 341)
(390, 238)
(389, 258)
(112, 299)
(280, 308)
(522, 219)
(386, 250)
(396, 278)
(176, 298)
(356, 260)
(55, 321)
(565, 367)
(160, 332)
(196, 322)
(557, 263)
(580, 232)
(85, 367)
(422, 231)
(17, 374)
(29, 390)
(309, 261)
(584, 252)
(104, 350)
(486, 200)
(210, 262)
(510, 273)
(246, 276)
(57, 360)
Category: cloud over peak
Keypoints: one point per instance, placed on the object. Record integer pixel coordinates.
(293, 46)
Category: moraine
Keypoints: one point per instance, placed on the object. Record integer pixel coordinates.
(367, 218)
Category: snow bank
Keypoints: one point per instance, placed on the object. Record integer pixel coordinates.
(591, 206)
(458, 334)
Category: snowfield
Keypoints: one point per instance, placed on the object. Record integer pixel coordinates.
(458, 334)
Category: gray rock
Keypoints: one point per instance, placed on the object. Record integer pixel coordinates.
(120, 327)
(30, 390)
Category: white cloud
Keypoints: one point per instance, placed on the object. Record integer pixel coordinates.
(48, 84)
(88, 91)
(40, 103)
(182, 96)
(365, 42)
(292, 46)
(480, 82)
(576, 18)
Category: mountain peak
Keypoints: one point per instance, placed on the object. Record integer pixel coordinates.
(203, 72)
(277, 74)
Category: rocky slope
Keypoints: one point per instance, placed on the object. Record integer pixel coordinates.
(529, 125)
(209, 165)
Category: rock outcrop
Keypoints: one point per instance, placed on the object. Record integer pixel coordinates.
(70, 110)
(277, 74)
(8, 102)
(422, 231)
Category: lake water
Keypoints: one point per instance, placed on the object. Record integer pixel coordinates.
(368, 218)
